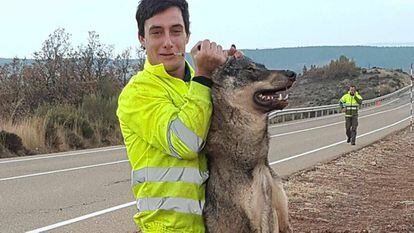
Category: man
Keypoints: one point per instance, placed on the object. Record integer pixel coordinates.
(164, 114)
(349, 104)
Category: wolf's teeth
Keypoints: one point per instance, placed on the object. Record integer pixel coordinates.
(286, 97)
(280, 97)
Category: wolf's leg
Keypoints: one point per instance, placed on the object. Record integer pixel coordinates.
(280, 203)
(257, 203)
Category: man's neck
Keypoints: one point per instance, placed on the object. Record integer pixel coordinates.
(178, 73)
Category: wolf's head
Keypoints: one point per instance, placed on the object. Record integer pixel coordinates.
(247, 85)
(243, 93)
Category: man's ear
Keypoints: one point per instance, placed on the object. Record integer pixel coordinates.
(142, 41)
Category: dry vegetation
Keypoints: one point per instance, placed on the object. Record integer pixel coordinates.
(341, 68)
(66, 98)
(30, 131)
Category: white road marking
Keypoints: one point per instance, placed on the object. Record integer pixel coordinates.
(81, 218)
(336, 143)
(62, 170)
(94, 214)
(63, 155)
(336, 123)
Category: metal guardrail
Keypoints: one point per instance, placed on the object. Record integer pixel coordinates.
(280, 116)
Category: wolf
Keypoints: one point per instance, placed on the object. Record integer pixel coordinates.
(243, 194)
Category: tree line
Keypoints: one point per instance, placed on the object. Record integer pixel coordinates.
(66, 97)
(61, 74)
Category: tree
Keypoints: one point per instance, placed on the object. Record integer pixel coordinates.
(140, 53)
(123, 66)
(52, 54)
(92, 60)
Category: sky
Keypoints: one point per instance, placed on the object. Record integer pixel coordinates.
(25, 24)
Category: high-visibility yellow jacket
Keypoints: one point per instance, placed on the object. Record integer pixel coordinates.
(164, 121)
(350, 103)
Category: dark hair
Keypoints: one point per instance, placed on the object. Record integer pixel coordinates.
(233, 45)
(148, 8)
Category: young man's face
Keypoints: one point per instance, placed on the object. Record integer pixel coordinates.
(165, 35)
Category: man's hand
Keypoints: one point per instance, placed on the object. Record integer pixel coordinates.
(234, 52)
(207, 56)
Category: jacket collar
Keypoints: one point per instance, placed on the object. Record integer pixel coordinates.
(159, 70)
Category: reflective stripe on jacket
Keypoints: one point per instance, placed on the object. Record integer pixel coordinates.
(164, 122)
(351, 104)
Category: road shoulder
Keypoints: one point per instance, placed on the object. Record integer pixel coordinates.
(369, 190)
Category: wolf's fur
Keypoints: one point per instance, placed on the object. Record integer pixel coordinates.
(243, 193)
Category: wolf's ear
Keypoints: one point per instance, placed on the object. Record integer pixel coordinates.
(223, 71)
(230, 68)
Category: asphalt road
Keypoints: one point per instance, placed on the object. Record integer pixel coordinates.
(89, 191)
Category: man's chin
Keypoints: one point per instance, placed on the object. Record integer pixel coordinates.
(170, 59)
(172, 68)
(173, 64)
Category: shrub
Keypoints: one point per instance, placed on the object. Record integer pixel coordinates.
(11, 141)
(71, 120)
(73, 140)
(30, 130)
(336, 69)
(102, 112)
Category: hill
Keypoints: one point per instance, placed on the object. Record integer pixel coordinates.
(326, 84)
(296, 58)
(314, 90)
(364, 56)
(4, 61)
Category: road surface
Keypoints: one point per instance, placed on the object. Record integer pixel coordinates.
(89, 190)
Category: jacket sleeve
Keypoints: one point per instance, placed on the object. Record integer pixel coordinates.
(149, 112)
(341, 102)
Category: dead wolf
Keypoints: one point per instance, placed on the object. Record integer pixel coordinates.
(243, 193)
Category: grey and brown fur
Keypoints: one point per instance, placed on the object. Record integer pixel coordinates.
(243, 193)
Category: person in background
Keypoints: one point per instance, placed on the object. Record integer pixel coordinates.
(349, 104)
